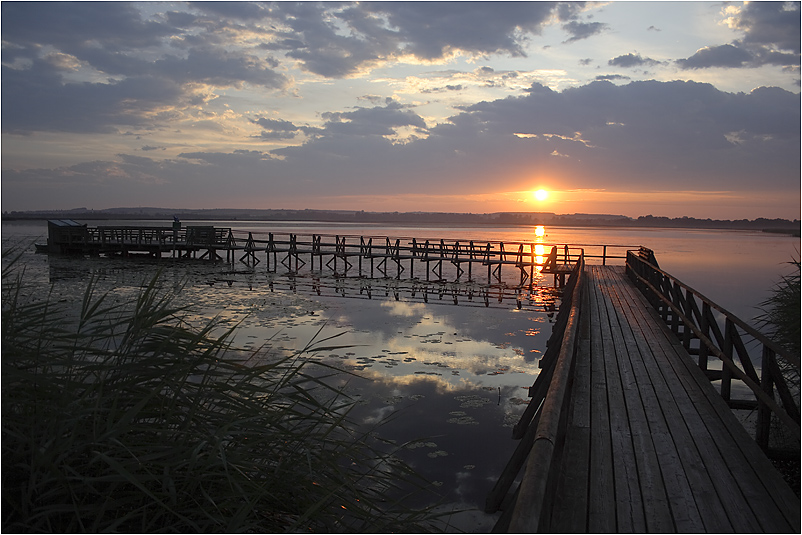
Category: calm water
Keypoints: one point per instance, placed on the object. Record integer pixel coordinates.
(452, 378)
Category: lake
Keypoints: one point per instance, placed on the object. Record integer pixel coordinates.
(449, 379)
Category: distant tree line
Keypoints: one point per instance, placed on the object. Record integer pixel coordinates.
(362, 216)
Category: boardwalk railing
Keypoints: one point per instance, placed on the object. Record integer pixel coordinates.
(708, 331)
(539, 427)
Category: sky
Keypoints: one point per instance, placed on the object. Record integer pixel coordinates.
(634, 108)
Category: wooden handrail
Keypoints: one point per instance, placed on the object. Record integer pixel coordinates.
(757, 335)
(526, 428)
(530, 507)
(723, 345)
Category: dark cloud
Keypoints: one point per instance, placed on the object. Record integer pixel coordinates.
(457, 87)
(775, 24)
(114, 40)
(429, 30)
(611, 77)
(383, 31)
(717, 56)
(376, 121)
(276, 129)
(73, 26)
(632, 60)
(583, 30)
(771, 37)
(276, 125)
(38, 99)
(221, 68)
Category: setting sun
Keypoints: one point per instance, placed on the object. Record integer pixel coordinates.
(541, 194)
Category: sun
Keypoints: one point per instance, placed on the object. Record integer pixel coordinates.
(540, 195)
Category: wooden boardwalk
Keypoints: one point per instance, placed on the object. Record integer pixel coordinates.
(649, 445)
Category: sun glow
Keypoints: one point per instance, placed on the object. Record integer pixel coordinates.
(540, 195)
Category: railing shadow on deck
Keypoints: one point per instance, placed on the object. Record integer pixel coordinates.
(708, 331)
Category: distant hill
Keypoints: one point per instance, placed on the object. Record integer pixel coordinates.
(442, 218)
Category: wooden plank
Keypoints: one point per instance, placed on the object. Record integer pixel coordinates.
(766, 494)
(601, 500)
(646, 506)
(726, 448)
(694, 503)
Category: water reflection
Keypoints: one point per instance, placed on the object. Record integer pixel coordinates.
(447, 382)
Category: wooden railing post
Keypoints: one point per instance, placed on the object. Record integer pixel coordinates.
(726, 373)
(704, 326)
(763, 426)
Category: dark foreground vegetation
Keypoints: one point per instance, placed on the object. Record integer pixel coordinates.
(781, 318)
(122, 417)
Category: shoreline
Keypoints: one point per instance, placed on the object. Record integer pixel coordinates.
(433, 219)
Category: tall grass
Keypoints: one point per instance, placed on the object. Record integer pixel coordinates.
(781, 311)
(123, 417)
(781, 318)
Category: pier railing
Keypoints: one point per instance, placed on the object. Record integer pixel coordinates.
(708, 331)
(540, 426)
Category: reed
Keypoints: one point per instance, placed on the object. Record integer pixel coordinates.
(124, 417)
(781, 318)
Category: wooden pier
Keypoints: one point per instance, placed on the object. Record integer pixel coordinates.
(359, 256)
(626, 432)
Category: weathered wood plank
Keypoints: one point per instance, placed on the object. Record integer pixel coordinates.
(655, 510)
(727, 449)
(614, 490)
(752, 492)
(602, 498)
(694, 503)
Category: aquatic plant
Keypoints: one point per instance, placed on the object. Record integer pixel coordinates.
(124, 417)
(781, 311)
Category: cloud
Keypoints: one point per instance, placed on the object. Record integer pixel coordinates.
(376, 121)
(43, 102)
(380, 32)
(632, 136)
(632, 60)
(771, 24)
(100, 66)
(583, 30)
(76, 26)
(611, 77)
(771, 37)
(221, 68)
(640, 136)
(716, 56)
(430, 30)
